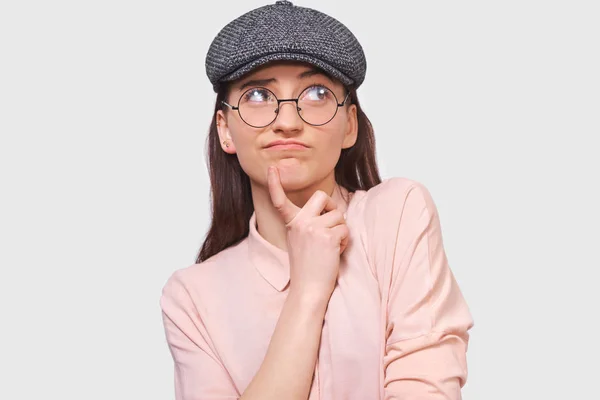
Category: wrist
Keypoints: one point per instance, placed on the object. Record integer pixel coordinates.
(309, 300)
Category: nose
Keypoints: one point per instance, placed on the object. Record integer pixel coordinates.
(287, 117)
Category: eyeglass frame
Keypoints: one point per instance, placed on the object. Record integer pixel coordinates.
(279, 101)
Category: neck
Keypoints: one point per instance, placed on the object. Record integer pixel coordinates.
(269, 222)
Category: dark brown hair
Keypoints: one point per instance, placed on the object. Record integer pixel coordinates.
(231, 198)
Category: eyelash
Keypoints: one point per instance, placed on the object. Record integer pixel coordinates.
(312, 85)
(316, 84)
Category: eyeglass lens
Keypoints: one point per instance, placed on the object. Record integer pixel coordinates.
(317, 105)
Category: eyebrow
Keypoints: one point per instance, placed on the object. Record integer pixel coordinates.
(264, 82)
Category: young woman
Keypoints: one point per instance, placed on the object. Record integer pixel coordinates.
(316, 279)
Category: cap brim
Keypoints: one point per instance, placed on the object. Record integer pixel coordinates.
(243, 70)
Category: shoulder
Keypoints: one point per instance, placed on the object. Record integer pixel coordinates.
(395, 205)
(393, 196)
(383, 214)
(204, 277)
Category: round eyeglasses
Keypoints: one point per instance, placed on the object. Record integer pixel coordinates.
(259, 107)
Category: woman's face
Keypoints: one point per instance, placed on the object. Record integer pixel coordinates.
(298, 167)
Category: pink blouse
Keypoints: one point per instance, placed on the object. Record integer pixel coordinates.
(395, 327)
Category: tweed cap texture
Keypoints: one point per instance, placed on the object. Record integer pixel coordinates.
(284, 31)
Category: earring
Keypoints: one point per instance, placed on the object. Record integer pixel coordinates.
(225, 143)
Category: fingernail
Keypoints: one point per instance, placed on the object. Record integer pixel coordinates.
(344, 215)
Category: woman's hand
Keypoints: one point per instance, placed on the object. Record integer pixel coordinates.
(314, 241)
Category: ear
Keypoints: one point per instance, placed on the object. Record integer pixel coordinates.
(352, 131)
(224, 133)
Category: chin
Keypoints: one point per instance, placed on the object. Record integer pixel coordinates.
(294, 176)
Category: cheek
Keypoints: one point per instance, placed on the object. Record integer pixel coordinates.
(247, 148)
(333, 136)
(243, 136)
(328, 147)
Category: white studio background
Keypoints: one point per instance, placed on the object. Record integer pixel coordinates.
(104, 110)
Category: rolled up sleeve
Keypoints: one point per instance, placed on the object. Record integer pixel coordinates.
(427, 321)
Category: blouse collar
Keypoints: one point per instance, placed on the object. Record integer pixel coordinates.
(271, 261)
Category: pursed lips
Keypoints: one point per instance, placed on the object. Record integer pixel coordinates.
(290, 146)
(287, 145)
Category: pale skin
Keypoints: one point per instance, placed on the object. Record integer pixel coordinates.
(295, 212)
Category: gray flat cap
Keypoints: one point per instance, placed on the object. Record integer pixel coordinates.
(283, 31)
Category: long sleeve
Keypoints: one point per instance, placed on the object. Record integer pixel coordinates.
(427, 318)
(199, 374)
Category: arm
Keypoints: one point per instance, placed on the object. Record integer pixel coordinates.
(286, 371)
(288, 367)
(199, 373)
(428, 318)
(315, 241)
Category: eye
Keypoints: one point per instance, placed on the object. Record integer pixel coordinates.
(316, 93)
(258, 95)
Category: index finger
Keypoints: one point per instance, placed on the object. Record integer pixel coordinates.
(279, 199)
